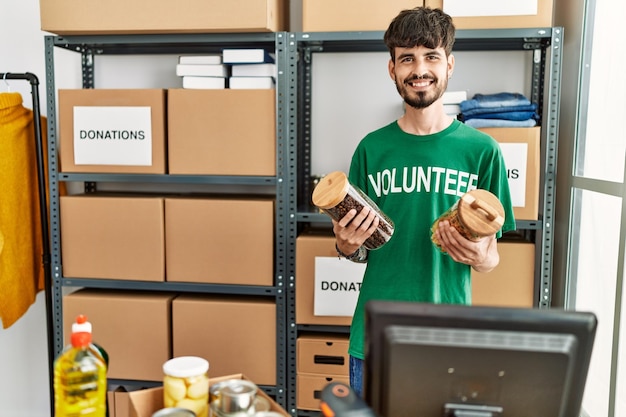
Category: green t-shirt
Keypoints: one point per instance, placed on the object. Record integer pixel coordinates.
(414, 179)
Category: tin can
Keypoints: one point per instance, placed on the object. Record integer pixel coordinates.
(478, 213)
(336, 196)
(235, 397)
(174, 412)
(186, 384)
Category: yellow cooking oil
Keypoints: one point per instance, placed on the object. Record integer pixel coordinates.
(80, 376)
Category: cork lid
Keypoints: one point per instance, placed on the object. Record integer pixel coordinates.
(481, 212)
(331, 190)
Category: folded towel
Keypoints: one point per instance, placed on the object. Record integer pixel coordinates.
(498, 100)
(477, 123)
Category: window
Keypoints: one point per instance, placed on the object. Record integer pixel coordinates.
(598, 216)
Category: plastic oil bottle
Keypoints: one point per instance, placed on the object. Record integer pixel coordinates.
(80, 382)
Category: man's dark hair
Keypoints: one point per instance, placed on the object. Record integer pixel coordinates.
(421, 26)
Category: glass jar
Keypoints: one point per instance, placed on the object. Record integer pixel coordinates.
(336, 196)
(478, 213)
(186, 384)
(174, 412)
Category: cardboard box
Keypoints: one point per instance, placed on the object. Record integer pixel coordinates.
(309, 389)
(227, 241)
(520, 146)
(494, 18)
(308, 247)
(207, 135)
(132, 327)
(235, 334)
(73, 17)
(351, 15)
(326, 355)
(112, 131)
(111, 402)
(512, 282)
(142, 402)
(113, 237)
(147, 401)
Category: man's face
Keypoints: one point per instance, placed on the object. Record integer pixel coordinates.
(421, 74)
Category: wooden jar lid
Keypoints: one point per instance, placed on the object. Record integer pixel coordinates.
(481, 212)
(331, 190)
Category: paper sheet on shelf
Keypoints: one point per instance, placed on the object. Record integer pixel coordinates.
(337, 286)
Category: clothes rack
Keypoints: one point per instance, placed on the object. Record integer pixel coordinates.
(43, 213)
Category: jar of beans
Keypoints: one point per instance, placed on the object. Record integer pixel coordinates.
(478, 213)
(336, 196)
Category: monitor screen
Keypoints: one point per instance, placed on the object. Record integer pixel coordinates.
(434, 360)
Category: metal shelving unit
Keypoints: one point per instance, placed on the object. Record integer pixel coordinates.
(294, 55)
(92, 46)
(545, 44)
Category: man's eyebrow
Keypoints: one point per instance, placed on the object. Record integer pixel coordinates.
(405, 54)
(429, 52)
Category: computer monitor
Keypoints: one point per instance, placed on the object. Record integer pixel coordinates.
(434, 360)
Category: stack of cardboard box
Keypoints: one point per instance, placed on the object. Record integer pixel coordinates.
(320, 361)
(141, 330)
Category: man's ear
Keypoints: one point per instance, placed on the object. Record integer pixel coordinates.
(391, 66)
(450, 65)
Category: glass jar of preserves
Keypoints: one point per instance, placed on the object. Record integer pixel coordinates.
(186, 384)
(478, 213)
(336, 196)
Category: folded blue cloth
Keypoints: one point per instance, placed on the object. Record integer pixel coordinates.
(500, 123)
(498, 100)
(506, 115)
(504, 109)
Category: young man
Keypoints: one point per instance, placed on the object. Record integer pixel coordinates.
(415, 169)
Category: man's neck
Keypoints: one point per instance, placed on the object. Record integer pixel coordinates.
(432, 119)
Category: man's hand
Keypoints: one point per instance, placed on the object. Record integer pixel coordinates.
(353, 229)
(482, 255)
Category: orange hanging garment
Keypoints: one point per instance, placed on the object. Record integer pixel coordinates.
(21, 246)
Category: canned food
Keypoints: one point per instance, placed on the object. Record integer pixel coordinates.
(186, 384)
(478, 213)
(235, 397)
(336, 196)
(174, 412)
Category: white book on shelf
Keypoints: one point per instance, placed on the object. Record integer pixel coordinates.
(206, 83)
(246, 56)
(254, 70)
(452, 109)
(251, 83)
(454, 97)
(200, 59)
(206, 70)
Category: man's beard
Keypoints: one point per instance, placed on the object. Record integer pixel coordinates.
(423, 98)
